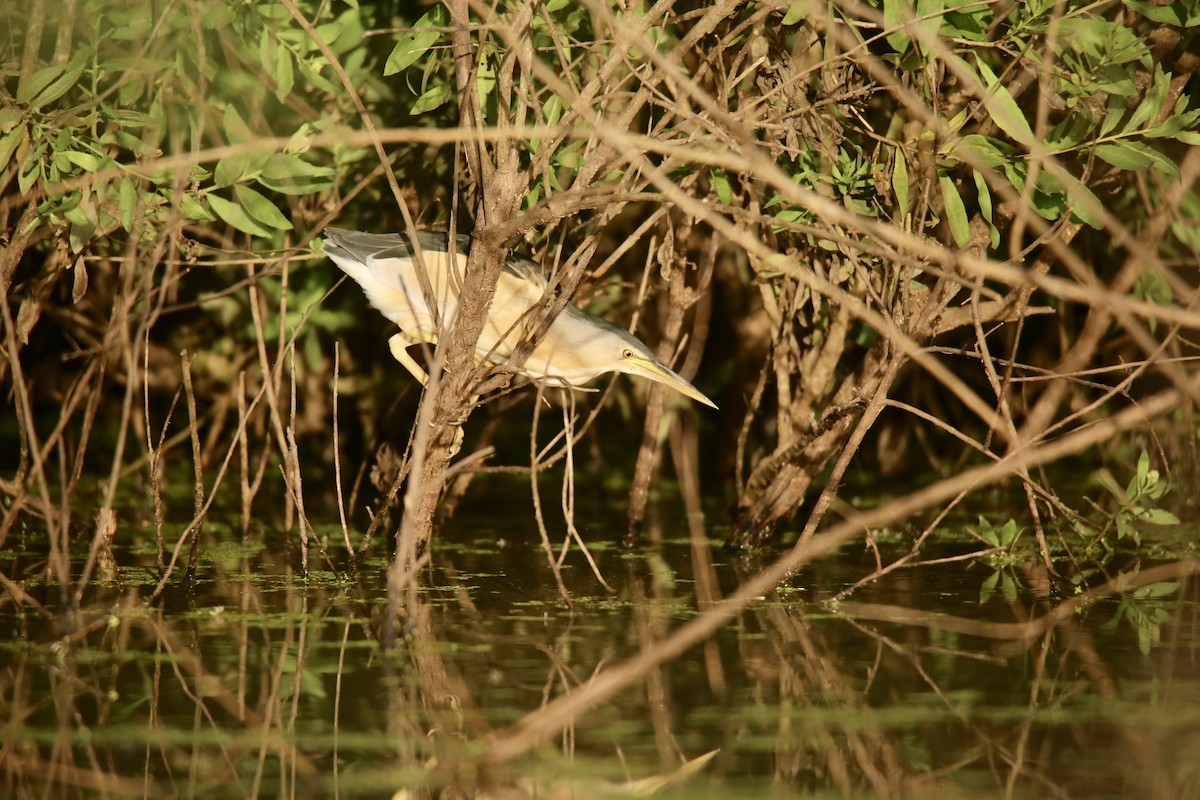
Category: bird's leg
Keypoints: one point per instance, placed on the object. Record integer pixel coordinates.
(462, 417)
(399, 345)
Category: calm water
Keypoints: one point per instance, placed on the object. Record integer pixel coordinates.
(260, 683)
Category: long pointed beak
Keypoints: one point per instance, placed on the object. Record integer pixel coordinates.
(657, 371)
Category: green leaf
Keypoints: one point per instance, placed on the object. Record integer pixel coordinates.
(236, 130)
(9, 144)
(1008, 587)
(79, 236)
(1103, 42)
(1083, 204)
(966, 19)
(9, 117)
(1125, 529)
(230, 170)
(1137, 484)
(568, 157)
(1150, 105)
(720, 184)
(985, 207)
(311, 68)
(29, 173)
(535, 193)
(414, 44)
(485, 84)
(988, 587)
(1170, 127)
(76, 211)
(243, 166)
(1179, 14)
(48, 84)
(285, 75)
(896, 14)
(930, 14)
(127, 203)
(266, 51)
(130, 118)
(956, 212)
(1152, 591)
(1125, 155)
(434, 97)
(1151, 287)
(987, 532)
(900, 183)
(983, 150)
(1114, 79)
(1162, 164)
(794, 14)
(85, 161)
(286, 165)
(1070, 133)
(193, 209)
(329, 32)
(1008, 533)
(261, 209)
(289, 174)
(552, 109)
(235, 216)
(1158, 516)
(1004, 109)
(1114, 112)
(792, 215)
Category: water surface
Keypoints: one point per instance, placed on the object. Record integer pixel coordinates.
(259, 682)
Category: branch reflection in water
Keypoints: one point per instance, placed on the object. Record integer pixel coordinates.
(262, 684)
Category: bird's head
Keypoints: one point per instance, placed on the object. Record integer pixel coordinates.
(634, 358)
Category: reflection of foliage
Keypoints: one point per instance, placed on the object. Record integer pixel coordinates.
(1147, 608)
(1001, 561)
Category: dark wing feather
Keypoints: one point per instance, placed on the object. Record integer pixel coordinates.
(364, 246)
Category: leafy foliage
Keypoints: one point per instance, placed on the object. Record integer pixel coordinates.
(1137, 503)
(78, 133)
(845, 175)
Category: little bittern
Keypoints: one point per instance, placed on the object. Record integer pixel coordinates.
(575, 349)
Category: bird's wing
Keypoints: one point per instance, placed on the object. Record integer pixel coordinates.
(527, 270)
(364, 247)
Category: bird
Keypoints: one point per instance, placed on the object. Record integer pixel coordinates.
(576, 348)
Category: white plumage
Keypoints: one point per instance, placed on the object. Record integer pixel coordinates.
(576, 349)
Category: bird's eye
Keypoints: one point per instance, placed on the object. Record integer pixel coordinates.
(627, 353)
